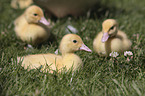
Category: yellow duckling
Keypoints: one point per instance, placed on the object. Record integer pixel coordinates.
(31, 26)
(68, 45)
(21, 3)
(111, 39)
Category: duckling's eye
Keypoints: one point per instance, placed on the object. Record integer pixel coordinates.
(75, 41)
(35, 14)
(112, 28)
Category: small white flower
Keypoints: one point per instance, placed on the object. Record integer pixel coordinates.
(113, 54)
(30, 46)
(56, 52)
(128, 53)
(71, 29)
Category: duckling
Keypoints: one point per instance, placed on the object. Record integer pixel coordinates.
(111, 39)
(68, 45)
(31, 26)
(21, 3)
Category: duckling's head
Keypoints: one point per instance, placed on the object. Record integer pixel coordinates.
(34, 14)
(71, 43)
(109, 29)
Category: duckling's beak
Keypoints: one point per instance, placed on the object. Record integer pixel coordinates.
(105, 37)
(44, 21)
(85, 48)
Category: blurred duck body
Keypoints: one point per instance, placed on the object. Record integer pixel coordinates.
(111, 39)
(32, 27)
(68, 45)
(62, 8)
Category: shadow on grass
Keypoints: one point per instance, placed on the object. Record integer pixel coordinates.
(105, 11)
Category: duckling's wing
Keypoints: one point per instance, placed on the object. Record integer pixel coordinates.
(36, 61)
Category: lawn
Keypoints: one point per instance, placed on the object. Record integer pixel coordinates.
(99, 76)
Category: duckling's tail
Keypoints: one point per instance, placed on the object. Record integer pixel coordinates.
(19, 59)
(127, 44)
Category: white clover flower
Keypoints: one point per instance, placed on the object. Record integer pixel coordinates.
(113, 54)
(128, 53)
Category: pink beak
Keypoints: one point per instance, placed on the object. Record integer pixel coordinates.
(85, 48)
(44, 21)
(105, 37)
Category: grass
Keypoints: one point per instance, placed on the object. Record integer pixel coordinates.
(99, 76)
